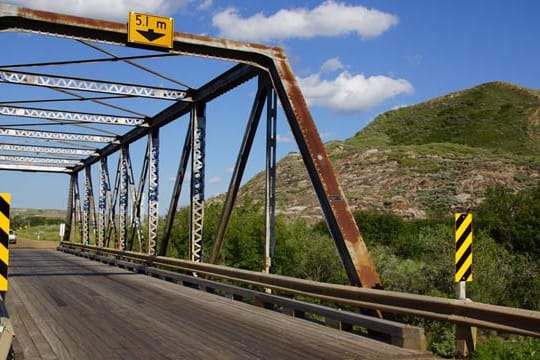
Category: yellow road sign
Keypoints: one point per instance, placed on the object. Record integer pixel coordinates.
(464, 255)
(5, 201)
(150, 30)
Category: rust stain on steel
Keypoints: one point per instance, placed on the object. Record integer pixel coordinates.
(71, 20)
(343, 215)
(204, 45)
(223, 43)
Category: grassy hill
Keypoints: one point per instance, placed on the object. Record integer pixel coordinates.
(496, 116)
(436, 157)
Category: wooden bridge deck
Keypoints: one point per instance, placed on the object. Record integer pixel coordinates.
(66, 307)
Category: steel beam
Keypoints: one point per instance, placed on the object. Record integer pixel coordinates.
(86, 218)
(153, 183)
(48, 150)
(103, 200)
(198, 150)
(70, 208)
(35, 168)
(98, 86)
(270, 179)
(39, 160)
(112, 218)
(214, 88)
(132, 219)
(123, 197)
(136, 199)
(54, 135)
(75, 117)
(239, 168)
(77, 206)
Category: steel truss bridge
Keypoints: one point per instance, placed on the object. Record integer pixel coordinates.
(59, 116)
(42, 133)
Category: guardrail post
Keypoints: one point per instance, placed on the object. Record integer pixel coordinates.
(5, 203)
(465, 340)
(338, 324)
(465, 334)
(293, 312)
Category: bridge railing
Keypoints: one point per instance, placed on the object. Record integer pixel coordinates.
(511, 320)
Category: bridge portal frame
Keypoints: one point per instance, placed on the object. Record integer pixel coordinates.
(268, 63)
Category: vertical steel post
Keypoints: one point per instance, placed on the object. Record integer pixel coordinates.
(77, 201)
(136, 223)
(112, 218)
(270, 178)
(198, 139)
(240, 166)
(123, 201)
(153, 187)
(70, 207)
(176, 192)
(90, 206)
(135, 214)
(86, 208)
(103, 200)
(93, 218)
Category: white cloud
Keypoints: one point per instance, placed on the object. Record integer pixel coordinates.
(349, 93)
(205, 4)
(214, 180)
(331, 18)
(332, 65)
(229, 170)
(104, 9)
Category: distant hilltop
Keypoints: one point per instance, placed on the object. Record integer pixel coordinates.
(45, 213)
(435, 157)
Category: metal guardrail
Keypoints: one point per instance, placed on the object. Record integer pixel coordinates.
(392, 332)
(511, 320)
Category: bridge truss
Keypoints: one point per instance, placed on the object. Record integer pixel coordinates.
(44, 130)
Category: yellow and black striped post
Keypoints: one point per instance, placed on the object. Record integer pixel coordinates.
(465, 335)
(464, 255)
(5, 201)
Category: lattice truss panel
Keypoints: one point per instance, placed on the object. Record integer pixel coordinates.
(76, 98)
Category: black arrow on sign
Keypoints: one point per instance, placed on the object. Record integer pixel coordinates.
(150, 35)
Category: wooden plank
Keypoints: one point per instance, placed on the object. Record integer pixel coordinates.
(77, 308)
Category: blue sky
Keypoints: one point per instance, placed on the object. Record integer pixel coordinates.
(353, 59)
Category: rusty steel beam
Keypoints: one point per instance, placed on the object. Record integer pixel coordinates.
(351, 247)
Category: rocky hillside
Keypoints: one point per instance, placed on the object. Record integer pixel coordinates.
(436, 157)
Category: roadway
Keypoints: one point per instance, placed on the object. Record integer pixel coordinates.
(66, 307)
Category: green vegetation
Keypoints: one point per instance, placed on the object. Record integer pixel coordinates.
(40, 232)
(515, 348)
(37, 224)
(512, 219)
(493, 116)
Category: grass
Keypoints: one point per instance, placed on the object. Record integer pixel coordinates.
(515, 348)
(493, 116)
(40, 232)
